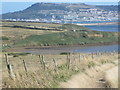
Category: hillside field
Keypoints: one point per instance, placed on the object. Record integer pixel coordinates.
(17, 34)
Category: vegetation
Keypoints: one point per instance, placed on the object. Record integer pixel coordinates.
(57, 69)
(65, 53)
(33, 11)
(91, 64)
(108, 8)
(51, 77)
(18, 54)
(26, 34)
(67, 38)
(4, 38)
(10, 34)
(72, 27)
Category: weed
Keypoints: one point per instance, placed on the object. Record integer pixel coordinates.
(91, 64)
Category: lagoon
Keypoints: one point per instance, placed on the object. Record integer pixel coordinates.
(106, 28)
(73, 49)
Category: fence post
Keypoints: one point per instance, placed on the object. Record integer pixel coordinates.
(55, 64)
(9, 67)
(40, 61)
(79, 57)
(69, 61)
(43, 62)
(92, 56)
(25, 67)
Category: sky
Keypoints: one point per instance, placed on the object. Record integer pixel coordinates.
(60, 0)
(17, 5)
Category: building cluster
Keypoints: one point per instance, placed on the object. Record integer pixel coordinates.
(82, 14)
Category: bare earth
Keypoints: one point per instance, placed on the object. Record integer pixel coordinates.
(0, 81)
(91, 78)
(0, 72)
(111, 77)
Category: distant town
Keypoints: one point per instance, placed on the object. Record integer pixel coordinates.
(71, 15)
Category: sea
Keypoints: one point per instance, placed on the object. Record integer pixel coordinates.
(106, 28)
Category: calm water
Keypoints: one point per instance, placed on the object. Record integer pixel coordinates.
(106, 28)
(92, 22)
(108, 48)
(78, 49)
(92, 49)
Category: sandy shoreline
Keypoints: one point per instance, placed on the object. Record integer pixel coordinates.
(88, 24)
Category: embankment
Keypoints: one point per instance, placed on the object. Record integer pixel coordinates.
(101, 76)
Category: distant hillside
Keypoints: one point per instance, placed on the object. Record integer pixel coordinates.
(109, 8)
(50, 11)
(34, 10)
(46, 6)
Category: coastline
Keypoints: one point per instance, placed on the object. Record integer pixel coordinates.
(56, 49)
(88, 24)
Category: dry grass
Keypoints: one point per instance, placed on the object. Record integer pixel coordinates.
(88, 79)
(31, 24)
(38, 78)
(15, 34)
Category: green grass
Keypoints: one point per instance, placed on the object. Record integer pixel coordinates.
(18, 54)
(91, 64)
(16, 34)
(64, 53)
(4, 38)
(66, 38)
(72, 27)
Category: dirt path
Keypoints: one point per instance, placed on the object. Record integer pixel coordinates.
(0, 79)
(0, 72)
(111, 77)
(91, 78)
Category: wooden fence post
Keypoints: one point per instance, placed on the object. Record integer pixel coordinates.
(25, 67)
(69, 61)
(9, 67)
(55, 64)
(92, 56)
(43, 62)
(40, 61)
(79, 58)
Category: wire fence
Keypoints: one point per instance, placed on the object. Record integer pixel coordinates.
(44, 63)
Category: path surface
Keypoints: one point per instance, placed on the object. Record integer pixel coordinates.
(0, 71)
(0, 81)
(112, 78)
(92, 78)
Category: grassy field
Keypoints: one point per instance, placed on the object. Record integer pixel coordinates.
(52, 76)
(31, 24)
(67, 38)
(48, 71)
(19, 34)
(10, 35)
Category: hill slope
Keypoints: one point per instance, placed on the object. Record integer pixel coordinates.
(54, 11)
